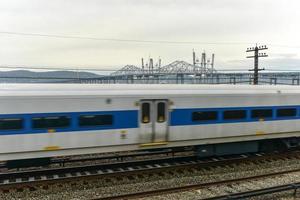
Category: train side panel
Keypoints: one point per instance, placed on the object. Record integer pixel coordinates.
(124, 134)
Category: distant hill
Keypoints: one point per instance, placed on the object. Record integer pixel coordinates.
(23, 76)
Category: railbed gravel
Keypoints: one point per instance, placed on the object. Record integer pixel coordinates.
(106, 186)
(234, 188)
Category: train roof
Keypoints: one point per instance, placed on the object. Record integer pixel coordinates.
(139, 89)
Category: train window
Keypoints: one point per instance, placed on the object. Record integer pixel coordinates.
(205, 115)
(51, 122)
(234, 114)
(11, 124)
(161, 112)
(286, 112)
(261, 113)
(95, 120)
(145, 113)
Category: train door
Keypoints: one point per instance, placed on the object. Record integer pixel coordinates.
(154, 120)
(160, 120)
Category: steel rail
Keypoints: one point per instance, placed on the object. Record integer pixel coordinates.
(57, 175)
(205, 185)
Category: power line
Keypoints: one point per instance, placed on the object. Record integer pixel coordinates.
(131, 40)
(58, 68)
(116, 69)
(87, 69)
(137, 41)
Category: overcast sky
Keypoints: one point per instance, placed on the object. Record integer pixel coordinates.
(237, 24)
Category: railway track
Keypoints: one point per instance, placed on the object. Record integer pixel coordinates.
(113, 157)
(259, 192)
(216, 183)
(31, 177)
(37, 178)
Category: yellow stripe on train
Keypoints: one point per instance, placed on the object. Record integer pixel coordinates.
(153, 144)
(51, 148)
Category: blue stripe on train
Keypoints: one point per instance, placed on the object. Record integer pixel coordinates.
(129, 119)
(182, 117)
(121, 120)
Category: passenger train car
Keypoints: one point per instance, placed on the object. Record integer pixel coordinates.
(49, 120)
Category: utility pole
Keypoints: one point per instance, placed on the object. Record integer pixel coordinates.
(194, 58)
(143, 64)
(203, 60)
(159, 62)
(212, 62)
(151, 65)
(256, 55)
(194, 62)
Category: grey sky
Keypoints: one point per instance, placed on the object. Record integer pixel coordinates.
(274, 22)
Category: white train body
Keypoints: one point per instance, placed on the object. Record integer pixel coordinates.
(66, 119)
